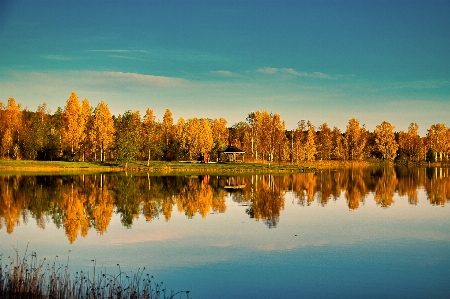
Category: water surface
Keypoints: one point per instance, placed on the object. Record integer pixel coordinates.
(373, 232)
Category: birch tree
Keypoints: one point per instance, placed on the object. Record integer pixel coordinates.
(73, 123)
(102, 136)
(355, 140)
(150, 135)
(385, 141)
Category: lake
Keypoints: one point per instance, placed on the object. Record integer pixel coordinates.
(358, 232)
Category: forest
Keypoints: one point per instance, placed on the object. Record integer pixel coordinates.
(80, 132)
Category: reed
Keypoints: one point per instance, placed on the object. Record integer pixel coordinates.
(30, 278)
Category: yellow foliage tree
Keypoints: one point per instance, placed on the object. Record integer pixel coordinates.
(310, 144)
(385, 141)
(102, 135)
(73, 123)
(437, 138)
(355, 140)
(150, 134)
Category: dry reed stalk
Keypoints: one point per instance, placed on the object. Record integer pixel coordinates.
(28, 278)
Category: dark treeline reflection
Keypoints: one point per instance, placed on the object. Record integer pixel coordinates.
(78, 203)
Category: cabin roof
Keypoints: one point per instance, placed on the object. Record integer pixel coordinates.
(231, 149)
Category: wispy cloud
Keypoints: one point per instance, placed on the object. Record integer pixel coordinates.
(293, 72)
(57, 57)
(267, 70)
(99, 78)
(120, 51)
(225, 73)
(142, 78)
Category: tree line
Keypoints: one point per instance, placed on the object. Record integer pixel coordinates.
(83, 133)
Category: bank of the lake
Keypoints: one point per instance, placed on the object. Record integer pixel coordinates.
(162, 167)
(154, 167)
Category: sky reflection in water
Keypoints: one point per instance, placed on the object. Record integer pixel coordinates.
(349, 233)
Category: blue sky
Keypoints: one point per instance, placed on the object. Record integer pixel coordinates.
(324, 61)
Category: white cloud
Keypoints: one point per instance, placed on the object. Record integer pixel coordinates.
(268, 70)
(225, 73)
(98, 78)
(135, 77)
(57, 57)
(293, 72)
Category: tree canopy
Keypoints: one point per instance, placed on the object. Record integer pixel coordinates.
(83, 133)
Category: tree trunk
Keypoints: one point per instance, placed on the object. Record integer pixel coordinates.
(102, 154)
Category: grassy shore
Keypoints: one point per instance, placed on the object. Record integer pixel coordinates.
(155, 166)
(159, 167)
(29, 278)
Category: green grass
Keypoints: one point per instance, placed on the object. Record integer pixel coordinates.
(155, 166)
(29, 278)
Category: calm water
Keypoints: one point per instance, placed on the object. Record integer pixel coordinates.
(377, 233)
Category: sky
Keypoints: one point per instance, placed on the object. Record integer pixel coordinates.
(323, 61)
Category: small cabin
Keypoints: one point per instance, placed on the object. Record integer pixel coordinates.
(230, 154)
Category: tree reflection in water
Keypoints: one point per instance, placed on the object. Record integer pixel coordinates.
(78, 203)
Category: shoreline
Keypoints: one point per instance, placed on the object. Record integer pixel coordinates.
(25, 166)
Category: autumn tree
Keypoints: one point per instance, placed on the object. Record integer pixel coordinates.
(437, 138)
(298, 142)
(270, 134)
(253, 120)
(324, 142)
(11, 138)
(197, 137)
(241, 137)
(7, 142)
(220, 134)
(264, 132)
(338, 142)
(73, 123)
(86, 115)
(277, 135)
(178, 148)
(102, 134)
(355, 140)
(167, 136)
(150, 135)
(410, 143)
(385, 141)
(310, 143)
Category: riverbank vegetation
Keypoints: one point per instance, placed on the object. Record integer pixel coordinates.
(29, 278)
(80, 132)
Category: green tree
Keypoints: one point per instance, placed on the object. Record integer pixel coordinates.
(127, 133)
(36, 133)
